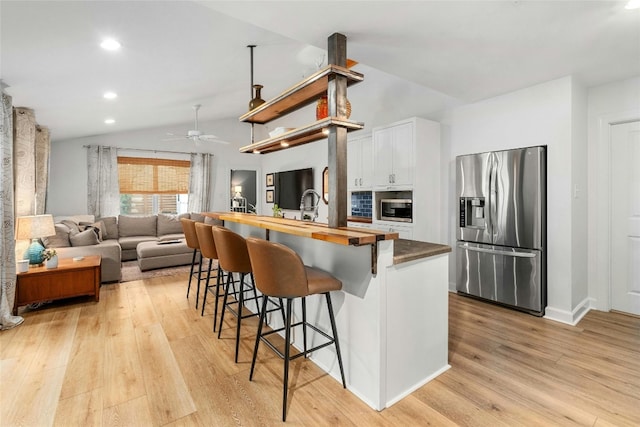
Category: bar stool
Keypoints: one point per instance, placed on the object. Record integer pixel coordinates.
(208, 250)
(191, 237)
(234, 258)
(280, 272)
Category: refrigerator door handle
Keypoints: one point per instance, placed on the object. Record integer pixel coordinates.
(496, 251)
(493, 194)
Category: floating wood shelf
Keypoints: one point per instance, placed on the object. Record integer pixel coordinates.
(300, 136)
(300, 95)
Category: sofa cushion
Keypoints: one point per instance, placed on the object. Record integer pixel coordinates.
(131, 242)
(213, 221)
(110, 227)
(170, 237)
(87, 237)
(61, 238)
(143, 225)
(170, 224)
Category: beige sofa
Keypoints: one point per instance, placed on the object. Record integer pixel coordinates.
(116, 239)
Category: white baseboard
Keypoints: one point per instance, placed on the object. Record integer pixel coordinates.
(569, 317)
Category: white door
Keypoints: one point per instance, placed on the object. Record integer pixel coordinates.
(625, 217)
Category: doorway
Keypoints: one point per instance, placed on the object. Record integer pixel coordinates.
(625, 217)
(243, 191)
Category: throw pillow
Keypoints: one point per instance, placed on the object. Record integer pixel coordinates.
(73, 226)
(95, 226)
(61, 238)
(84, 238)
(110, 230)
(197, 216)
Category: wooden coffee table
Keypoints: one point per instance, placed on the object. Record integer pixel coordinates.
(70, 279)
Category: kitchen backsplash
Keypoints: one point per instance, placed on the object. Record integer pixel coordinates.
(361, 204)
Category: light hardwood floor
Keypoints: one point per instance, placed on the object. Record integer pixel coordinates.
(144, 356)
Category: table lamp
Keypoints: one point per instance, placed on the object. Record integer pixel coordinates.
(34, 227)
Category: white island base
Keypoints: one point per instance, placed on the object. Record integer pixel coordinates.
(392, 326)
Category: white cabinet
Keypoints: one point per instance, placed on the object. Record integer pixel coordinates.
(352, 224)
(359, 163)
(404, 231)
(393, 155)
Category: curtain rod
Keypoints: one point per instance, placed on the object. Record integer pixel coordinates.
(142, 149)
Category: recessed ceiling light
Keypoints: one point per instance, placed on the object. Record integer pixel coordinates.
(109, 121)
(632, 4)
(110, 44)
(284, 144)
(110, 95)
(256, 151)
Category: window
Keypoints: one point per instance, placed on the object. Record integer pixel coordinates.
(151, 186)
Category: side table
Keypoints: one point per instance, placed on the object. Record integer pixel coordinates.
(70, 279)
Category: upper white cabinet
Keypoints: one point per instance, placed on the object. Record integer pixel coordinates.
(407, 157)
(359, 163)
(393, 154)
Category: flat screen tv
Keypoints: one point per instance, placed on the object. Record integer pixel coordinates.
(290, 185)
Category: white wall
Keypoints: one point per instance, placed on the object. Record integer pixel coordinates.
(609, 103)
(538, 115)
(68, 167)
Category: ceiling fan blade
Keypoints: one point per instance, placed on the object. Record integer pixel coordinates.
(175, 138)
(213, 138)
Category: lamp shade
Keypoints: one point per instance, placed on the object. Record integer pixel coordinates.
(34, 227)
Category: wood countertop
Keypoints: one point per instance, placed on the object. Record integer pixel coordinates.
(363, 219)
(313, 230)
(410, 250)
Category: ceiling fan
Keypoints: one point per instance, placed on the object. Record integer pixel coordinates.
(195, 134)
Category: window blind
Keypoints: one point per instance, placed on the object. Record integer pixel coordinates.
(139, 175)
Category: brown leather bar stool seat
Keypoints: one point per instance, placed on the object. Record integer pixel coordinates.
(279, 272)
(234, 258)
(208, 250)
(191, 237)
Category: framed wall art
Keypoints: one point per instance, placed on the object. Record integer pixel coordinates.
(269, 180)
(269, 197)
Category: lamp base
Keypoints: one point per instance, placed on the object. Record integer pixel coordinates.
(34, 253)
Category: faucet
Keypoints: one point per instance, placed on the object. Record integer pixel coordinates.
(303, 208)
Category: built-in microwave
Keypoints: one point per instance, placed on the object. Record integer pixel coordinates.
(396, 210)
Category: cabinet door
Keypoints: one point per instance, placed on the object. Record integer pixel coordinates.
(402, 155)
(367, 163)
(383, 157)
(354, 164)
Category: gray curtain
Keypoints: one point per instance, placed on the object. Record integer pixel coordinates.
(200, 182)
(7, 220)
(103, 192)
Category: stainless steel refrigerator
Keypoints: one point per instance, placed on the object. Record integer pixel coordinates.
(502, 227)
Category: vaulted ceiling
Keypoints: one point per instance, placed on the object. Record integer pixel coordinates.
(179, 53)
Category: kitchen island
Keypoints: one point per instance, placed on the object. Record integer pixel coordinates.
(392, 312)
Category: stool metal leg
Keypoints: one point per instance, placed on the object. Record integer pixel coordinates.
(304, 326)
(217, 294)
(206, 288)
(335, 337)
(193, 262)
(224, 301)
(287, 346)
(239, 320)
(199, 278)
(263, 315)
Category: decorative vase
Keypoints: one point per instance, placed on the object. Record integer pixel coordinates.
(322, 108)
(257, 100)
(52, 263)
